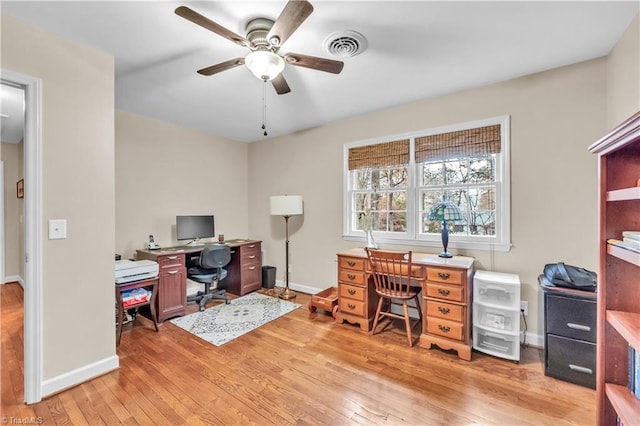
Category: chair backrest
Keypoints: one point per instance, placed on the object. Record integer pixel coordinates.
(391, 271)
(215, 256)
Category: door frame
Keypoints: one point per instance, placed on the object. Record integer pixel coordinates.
(33, 362)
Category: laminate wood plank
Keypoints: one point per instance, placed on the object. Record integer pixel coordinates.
(302, 368)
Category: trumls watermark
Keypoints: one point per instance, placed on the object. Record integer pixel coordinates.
(32, 420)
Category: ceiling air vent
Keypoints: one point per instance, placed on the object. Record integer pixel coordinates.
(345, 43)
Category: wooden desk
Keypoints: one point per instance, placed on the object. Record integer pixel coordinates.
(244, 272)
(446, 297)
(121, 288)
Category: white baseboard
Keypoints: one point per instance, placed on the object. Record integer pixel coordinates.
(535, 340)
(13, 278)
(301, 287)
(80, 375)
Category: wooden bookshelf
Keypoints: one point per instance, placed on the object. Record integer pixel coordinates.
(618, 319)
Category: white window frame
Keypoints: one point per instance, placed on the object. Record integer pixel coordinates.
(500, 242)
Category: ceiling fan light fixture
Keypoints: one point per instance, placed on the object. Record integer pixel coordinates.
(264, 64)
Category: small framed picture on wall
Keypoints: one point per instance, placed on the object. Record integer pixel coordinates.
(20, 188)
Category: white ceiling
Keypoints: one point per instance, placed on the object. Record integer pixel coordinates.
(416, 50)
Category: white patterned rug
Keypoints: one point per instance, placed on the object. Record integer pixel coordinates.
(222, 323)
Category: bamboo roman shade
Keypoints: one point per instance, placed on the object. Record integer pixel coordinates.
(462, 143)
(379, 155)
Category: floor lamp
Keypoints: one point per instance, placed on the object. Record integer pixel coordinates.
(286, 206)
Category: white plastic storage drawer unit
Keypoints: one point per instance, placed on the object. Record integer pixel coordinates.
(496, 314)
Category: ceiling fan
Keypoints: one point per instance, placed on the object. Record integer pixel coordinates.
(264, 38)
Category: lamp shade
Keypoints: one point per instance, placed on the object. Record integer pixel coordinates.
(286, 205)
(264, 64)
(445, 211)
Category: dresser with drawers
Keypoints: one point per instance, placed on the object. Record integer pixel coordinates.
(357, 297)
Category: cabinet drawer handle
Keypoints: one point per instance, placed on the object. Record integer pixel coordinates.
(351, 291)
(252, 246)
(578, 326)
(252, 257)
(444, 328)
(351, 277)
(443, 291)
(443, 275)
(350, 306)
(444, 311)
(172, 272)
(580, 369)
(252, 268)
(172, 257)
(351, 263)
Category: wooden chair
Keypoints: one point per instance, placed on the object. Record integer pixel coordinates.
(392, 272)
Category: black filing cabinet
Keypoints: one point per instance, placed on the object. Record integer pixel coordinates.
(570, 335)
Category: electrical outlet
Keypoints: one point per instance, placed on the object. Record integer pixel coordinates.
(524, 307)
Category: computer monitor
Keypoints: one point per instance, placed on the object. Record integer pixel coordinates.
(194, 227)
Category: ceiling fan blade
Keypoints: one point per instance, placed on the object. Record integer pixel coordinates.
(198, 19)
(280, 84)
(313, 62)
(222, 66)
(293, 14)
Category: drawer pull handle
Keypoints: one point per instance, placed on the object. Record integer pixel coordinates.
(172, 272)
(172, 257)
(444, 328)
(443, 275)
(443, 291)
(351, 263)
(252, 268)
(252, 246)
(578, 326)
(351, 291)
(351, 277)
(444, 311)
(350, 306)
(580, 369)
(252, 257)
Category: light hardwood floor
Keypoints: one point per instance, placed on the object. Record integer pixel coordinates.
(299, 369)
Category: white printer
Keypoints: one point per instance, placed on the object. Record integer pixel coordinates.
(135, 270)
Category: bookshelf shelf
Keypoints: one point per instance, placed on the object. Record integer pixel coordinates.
(624, 194)
(627, 406)
(618, 324)
(624, 254)
(627, 324)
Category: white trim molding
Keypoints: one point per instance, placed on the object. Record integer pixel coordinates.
(33, 362)
(80, 375)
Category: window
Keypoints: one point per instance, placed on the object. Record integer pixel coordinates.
(390, 186)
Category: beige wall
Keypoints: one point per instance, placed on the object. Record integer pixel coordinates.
(11, 154)
(623, 76)
(77, 185)
(555, 115)
(164, 170)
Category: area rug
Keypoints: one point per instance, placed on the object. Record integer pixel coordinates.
(223, 323)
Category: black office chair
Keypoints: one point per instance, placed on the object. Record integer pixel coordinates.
(210, 272)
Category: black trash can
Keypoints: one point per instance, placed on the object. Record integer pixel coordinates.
(268, 276)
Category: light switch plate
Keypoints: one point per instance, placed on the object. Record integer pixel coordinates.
(57, 229)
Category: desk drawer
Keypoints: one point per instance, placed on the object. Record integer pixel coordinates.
(442, 327)
(352, 277)
(353, 307)
(250, 253)
(445, 310)
(448, 276)
(445, 292)
(352, 263)
(352, 292)
(171, 261)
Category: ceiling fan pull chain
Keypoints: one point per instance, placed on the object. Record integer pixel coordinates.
(264, 107)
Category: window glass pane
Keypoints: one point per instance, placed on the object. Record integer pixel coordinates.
(398, 221)
(432, 173)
